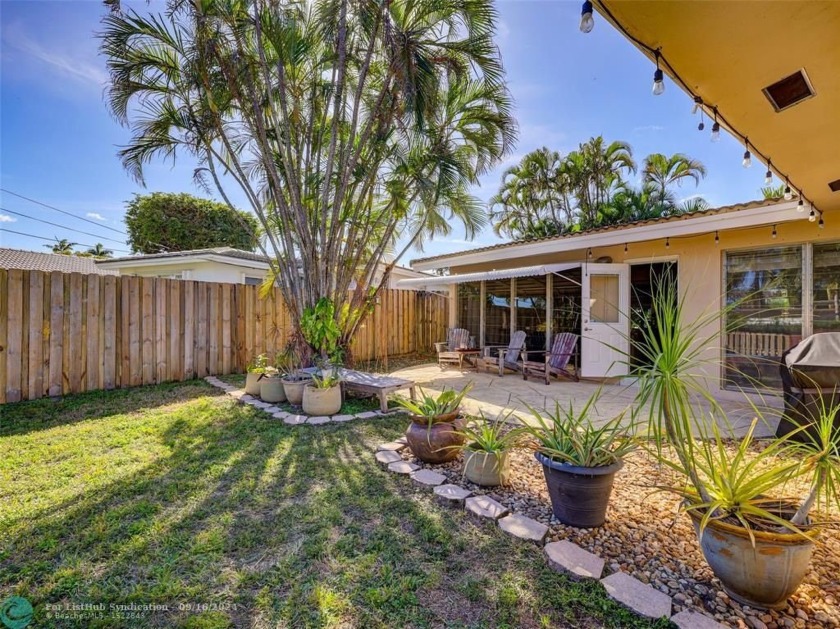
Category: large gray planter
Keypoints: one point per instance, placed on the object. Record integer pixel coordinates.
(579, 495)
(761, 576)
(293, 386)
(321, 401)
(252, 383)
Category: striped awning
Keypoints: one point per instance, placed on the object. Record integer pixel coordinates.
(501, 274)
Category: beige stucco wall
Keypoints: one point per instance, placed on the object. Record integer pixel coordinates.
(699, 266)
(202, 271)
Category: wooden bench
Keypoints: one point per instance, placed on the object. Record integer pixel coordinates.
(372, 384)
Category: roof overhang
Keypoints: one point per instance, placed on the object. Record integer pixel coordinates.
(689, 226)
(728, 52)
(503, 274)
(143, 261)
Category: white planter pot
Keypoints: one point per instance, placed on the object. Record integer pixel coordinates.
(321, 401)
(252, 383)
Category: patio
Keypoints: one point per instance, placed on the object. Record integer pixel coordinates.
(491, 394)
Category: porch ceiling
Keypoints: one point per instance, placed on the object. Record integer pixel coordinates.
(727, 52)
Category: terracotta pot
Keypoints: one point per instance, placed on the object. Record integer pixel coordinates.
(579, 495)
(321, 401)
(488, 469)
(271, 389)
(761, 576)
(433, 443)
(252, 383)
(293, 388)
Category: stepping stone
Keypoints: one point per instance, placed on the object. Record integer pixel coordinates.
(366, 415)
(236, 394)
(387, 456)
(294, 420)
(396, 446)
(485, 507)
(402, 467)
(261, 404)
(317, 421)
(692, 620)
(343, 418)
(640, 597)
(280, 415)
(564, 556)
(271, 409)
(428, 478)
(247, 398)
(451, 495)
(401, 440)
(524, 528)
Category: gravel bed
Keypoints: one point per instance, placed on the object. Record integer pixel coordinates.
(647, 537)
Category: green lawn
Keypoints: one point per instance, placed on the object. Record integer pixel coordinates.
(175, 495)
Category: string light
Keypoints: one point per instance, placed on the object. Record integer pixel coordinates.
(822, 222)
(800, 207)
(768, 176)
(625, 247)
(812, 216)
(716, 129)
(589, 253)
(773, 235)
(658, 78)
(747, 161)
(698, 102)
(717, 239)
(702, 124)
(587, 22)
(789, 196)
(667, 243)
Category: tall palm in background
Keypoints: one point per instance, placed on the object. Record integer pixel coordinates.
(662, 172)
(62, 247)
(99, 251)
(345, 125)
(598, 172)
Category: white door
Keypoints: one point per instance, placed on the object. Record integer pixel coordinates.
(605, 292)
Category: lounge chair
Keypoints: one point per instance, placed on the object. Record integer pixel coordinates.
(501, 357)
(563, 348)
(457, 338)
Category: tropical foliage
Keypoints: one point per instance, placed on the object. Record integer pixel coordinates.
(344, 125)
(162, 221)
(430, 406)
(548, 194)
(496, 435)
(62, 247)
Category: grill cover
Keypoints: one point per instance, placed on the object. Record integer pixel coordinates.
(809, 370)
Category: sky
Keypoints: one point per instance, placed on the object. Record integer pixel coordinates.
(58, 142)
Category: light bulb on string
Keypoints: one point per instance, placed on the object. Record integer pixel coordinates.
(625, 247)
(658, 78)
(812, 216)
(667, 243)
(768, 176)
(698, 102)
(716, 131)
(821, 223)
(587, 22)
(800, 207)
(717, 239)
(702, 124)
(747, 161)
(774, 234)
(789, 195)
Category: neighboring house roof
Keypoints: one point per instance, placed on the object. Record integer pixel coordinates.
(168, 257)
(638, 226)
(37, 261)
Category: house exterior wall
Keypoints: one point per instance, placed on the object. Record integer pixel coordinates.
(700, 269)
(204, 271)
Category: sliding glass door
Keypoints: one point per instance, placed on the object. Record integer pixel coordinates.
(497, 312)
(531, 310)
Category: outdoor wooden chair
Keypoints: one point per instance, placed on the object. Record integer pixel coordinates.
(501, 357)
(457, 338)
(563, 349)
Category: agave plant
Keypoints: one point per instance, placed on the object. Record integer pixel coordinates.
(569, 436)
(491, 435)
(429, 406)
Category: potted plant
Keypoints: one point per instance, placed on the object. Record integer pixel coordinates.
(255, 370)
(322, 395)
(271, 384)
(433, 434)
(321, 330)
(580, 460)
(487, 449)
(756, 542)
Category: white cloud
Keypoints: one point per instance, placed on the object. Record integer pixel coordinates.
(5, 218)
(68, 63)
(96, 216)
(651, 128)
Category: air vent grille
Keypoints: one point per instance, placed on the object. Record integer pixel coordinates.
(789, 91)
(834, 185)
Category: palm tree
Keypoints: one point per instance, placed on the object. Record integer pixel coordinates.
(99, 251)
(596, 171)
(662, 172)
(346, 125)
(62, 247)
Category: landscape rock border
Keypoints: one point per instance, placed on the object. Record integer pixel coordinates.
(567, 557)
(292, 419)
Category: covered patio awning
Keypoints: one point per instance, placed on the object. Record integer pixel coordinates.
(502, 274)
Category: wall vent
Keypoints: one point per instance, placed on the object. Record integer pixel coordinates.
(834, 185)
(789, 91)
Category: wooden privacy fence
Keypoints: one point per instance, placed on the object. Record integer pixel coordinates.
(66, 333)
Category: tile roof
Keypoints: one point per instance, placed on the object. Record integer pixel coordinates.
(749, 205)
(228, 252)
(37, 261)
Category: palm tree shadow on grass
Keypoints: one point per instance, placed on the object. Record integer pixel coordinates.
(297, 526)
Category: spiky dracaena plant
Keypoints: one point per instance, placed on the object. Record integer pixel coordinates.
(346, 126)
